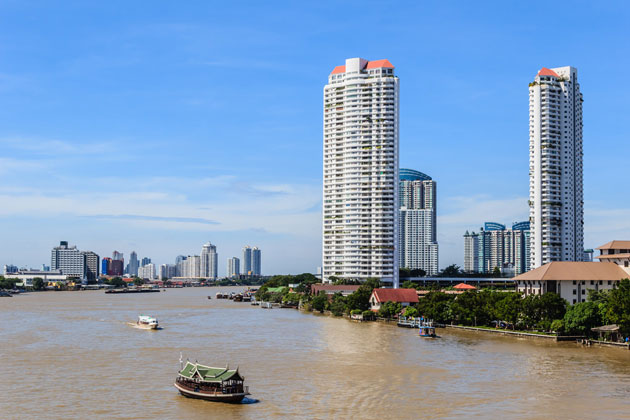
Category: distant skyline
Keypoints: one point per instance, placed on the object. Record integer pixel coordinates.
(165, 127)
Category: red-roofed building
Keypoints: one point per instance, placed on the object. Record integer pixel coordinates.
(464, 286)
(405, 297)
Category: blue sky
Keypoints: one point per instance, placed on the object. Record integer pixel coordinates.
(158, 126)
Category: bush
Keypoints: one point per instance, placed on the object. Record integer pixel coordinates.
(557, 326)
(356, 312)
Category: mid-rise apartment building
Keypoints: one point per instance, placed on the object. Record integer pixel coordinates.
(495, 246)
(360, 172)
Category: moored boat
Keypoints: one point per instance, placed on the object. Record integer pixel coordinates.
(147, 322)
(211, 383)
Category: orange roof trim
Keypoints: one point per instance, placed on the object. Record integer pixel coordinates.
(547, 72)
(377, 64)
(339, 69)
(464, 286)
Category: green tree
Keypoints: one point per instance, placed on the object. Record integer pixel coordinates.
(6, 283)
(496, 272)
(581, 317)
(389, 309)
(557, 326)
(38, 283)
(138, 281)
(368, 315)
(320, 301)
(410, 311)
(452, 270)
(361, 298)
(409, 285)
(509, 308)
(436, 306)
(117, 282)
(618, 307)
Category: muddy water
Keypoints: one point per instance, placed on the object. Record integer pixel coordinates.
(74, 355)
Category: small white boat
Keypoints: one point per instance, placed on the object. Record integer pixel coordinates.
(147, 322)
(266, 305)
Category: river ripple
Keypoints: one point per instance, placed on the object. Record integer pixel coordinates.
(73, 355)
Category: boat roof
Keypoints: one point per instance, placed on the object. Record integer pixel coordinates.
(208, 373)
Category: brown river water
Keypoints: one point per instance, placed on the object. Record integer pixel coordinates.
(73, 355)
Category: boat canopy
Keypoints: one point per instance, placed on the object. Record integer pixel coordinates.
(209, 374)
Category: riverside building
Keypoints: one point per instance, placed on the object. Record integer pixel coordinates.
(208, 262)
(360, 172)
(495, 246)
(233, 267)
(74, 263)
(555, 167)
(417, 243)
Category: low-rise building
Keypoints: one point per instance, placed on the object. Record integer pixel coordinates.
(617, 252)
(331, 289)
(26, 277)
(405, 297)
(570, 280)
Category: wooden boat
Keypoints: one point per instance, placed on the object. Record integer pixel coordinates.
(211, 383)
(209, 297)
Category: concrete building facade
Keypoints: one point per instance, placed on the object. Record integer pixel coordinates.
(417, 240)
(555, 167)
(360, 172)
(497, 246)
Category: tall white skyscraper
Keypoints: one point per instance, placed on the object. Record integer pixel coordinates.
(209, 262)
(360, 210)
(417, 243)
(233, 267)
(556, 209)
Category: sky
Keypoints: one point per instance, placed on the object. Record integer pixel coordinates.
(158, 126)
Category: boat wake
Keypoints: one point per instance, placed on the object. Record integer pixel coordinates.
(138, 327)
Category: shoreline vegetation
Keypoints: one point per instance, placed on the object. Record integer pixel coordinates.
(491, 310)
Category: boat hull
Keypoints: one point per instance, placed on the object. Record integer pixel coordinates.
(226, 398)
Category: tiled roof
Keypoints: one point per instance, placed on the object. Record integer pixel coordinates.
(207, 373)
(611, 256)
(615, 245)
(316, 288)
(464, 286)
(395, 295)
(377, 64)
(566, 270)
(547, 72)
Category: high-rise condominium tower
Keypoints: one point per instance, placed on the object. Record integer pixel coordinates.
(360, 214)
(256, 261)
(133, 264)
(209, 260)
(417, 243)
(233, 267)
(247, 260)
(556, 210)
